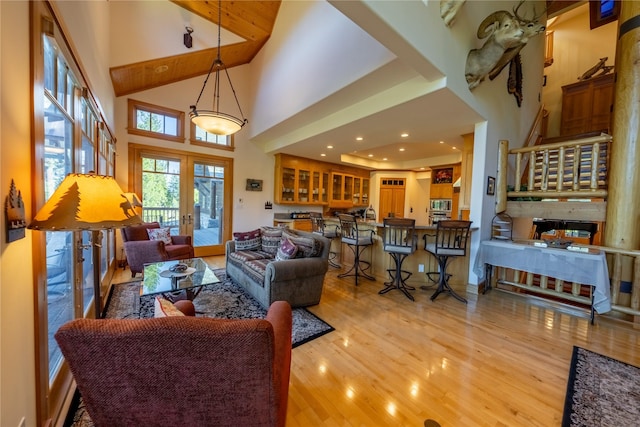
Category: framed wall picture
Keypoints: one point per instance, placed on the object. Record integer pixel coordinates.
(491, 186)
(442, 176)
(254, 185)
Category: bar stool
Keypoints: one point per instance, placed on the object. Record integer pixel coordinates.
(332, 231)
(400, 241)
(450, 241)
(358, 241)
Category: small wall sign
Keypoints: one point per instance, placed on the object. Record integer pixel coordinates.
(254, 185)
(14, 214)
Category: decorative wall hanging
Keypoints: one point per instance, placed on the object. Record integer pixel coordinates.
(600, 66)
(449, 9)
(442, 176)
(506, 35)
(254, 185)
(14, 214)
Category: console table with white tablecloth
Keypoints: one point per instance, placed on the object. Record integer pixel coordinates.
(588, 268)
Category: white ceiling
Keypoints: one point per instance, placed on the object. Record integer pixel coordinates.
(434, 123)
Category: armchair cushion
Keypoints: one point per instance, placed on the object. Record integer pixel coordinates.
(308, 246)
(162, 234)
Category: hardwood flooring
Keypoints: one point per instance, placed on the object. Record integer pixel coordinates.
(500, 360)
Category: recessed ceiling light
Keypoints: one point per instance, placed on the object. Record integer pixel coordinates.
(359, 138)
(329, 147)
(404, 135)
(421, 169)
(323, 155)
(370, 155)
(441, 142)
(454, 148)
(384, 158)
(402, 149)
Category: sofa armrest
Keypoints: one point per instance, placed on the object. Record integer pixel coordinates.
(296, 268)
(279, 315)
(181, 240)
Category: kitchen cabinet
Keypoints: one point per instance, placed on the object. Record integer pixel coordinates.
(305, 181)
(293, 181)
(360, 191)
(319, 182)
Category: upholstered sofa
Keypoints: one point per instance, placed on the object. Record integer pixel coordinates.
(263, 262)
(182, 370)
(140, 249)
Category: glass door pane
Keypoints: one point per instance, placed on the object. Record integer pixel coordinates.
(58, 149)
(208, 207)
(161, 192)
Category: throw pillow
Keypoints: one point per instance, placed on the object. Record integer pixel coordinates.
(248, 241)
(165, 308)
(160, 234)
(307, 246)
(287, 250)
(271, 237)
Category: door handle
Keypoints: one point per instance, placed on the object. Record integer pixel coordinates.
(184, 220)
(190, 219)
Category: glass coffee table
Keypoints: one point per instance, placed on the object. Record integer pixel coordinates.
(174, 286)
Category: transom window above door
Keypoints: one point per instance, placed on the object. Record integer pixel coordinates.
(155, 121)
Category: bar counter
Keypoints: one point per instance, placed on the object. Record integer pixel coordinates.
(381, 261)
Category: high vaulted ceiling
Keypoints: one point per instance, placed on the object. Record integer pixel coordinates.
(251, 21)
(152, 55)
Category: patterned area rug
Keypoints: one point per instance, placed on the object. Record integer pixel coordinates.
(225, 300)
(601, 391)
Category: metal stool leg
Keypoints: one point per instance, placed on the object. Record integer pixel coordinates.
(356, 268)
(397, 281)
(443, 284)
(333, 255)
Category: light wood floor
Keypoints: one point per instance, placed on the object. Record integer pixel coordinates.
(500, 360)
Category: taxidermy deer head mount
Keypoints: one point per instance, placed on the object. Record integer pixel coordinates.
(506, 35)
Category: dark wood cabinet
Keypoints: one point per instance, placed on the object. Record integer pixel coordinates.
(587, 106)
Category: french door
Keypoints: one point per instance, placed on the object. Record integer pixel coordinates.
(188, 193)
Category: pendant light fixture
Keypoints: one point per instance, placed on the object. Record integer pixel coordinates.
(214, 121)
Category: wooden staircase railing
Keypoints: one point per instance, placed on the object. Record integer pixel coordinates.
(574, 169)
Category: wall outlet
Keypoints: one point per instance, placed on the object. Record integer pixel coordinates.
(420, 268)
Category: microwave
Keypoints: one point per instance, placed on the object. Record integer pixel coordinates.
(440, 205)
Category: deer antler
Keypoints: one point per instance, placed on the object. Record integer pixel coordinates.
(521, 19)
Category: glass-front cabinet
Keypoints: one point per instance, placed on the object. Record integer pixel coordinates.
(306, 181)
(336, 188)
(357, 191)
(365, 192)
(288, 185)
(325, 185)
(304, 185)
(348, 188)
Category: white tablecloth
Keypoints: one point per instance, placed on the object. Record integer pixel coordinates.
(570, 266)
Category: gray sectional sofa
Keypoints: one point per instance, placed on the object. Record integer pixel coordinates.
(270, 272)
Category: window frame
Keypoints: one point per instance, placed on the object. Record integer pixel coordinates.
(194, 141)
(134, 106)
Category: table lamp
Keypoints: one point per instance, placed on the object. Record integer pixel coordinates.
(87, 202)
